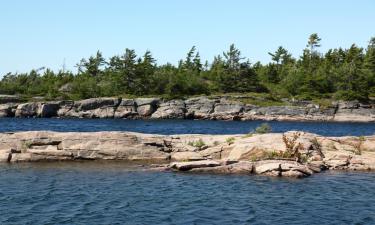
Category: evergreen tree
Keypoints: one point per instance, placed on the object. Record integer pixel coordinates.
(93, 65)
(338, 73)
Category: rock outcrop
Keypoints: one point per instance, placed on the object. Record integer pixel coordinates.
(146, 106)
(48, 110)
(200, 108)
(46, 146)
(95, 108)
(192, 108)
(8, 110)
(292, 154)
(126, 109)
(174, 109)
(27, 109)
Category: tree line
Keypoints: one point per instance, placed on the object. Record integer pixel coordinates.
(339, 73)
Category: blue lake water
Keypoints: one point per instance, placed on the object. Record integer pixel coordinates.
(182, 126)
(122, 193)
(116, 193)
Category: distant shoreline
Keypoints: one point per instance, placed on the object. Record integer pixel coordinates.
(201, 108)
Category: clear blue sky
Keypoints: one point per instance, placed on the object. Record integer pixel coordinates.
(44, 32)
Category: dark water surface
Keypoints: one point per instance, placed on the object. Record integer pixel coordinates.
(116, 193)
(182, 126)
(119, 193)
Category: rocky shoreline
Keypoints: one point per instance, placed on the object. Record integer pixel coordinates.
(290, 154)
(219, 108)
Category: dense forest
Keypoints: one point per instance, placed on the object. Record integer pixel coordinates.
(339, 73)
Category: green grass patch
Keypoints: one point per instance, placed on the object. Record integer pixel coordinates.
(198, 144)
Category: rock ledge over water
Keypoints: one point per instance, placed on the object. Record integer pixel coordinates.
(291, 154)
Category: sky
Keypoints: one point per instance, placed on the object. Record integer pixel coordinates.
(52, 33)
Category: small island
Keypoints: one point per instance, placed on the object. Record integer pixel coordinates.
(291, 154)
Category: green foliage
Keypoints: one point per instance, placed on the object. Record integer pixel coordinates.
(358, 145)
(248, 135)
(25, 145)
(347, 74)
(323, 103)
(198, 144)
(293, 147)
(279, 155)
(263, 129)
(230, 140)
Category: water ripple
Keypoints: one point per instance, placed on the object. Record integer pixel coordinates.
(180, 126)
(111, 193)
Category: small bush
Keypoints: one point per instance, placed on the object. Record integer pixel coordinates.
(230, 140)
(351, 95)
(263, 129)
(198, 144)
(25, 145)
(358, 145)
(269, 155)
(292, 147)
(316, 146)
(248, 135)
(216, 143)
(323, 103)
(279, 155)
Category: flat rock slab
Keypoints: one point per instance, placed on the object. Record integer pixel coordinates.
(186, 156)
(256, 154)
(243, 167)
(185, 166)
(282, 168)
